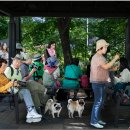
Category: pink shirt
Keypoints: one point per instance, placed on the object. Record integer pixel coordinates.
(51, 52)
(97, 73)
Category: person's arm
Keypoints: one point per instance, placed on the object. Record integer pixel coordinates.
(8, 85)
(4, 88)
(29, 75)
(110, 64)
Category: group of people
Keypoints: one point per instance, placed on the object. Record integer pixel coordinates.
(39, 73)
(42, 72)
(29, 71)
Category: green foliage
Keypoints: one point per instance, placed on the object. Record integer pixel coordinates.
(113, 30)
(37, 33)
(3, 27)
(78, 36)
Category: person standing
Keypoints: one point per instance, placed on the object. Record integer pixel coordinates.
(99, 76)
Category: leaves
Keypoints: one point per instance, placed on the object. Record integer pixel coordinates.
(3, 27)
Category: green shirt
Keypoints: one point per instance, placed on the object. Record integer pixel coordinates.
(39, 70)
(74, 72)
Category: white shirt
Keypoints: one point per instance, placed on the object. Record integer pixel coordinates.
(124, 77)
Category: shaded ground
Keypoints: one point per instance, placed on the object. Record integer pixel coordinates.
(7, 118)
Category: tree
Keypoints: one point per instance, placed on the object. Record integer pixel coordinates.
(63, 27)
(3, 27)
(113, 30)
(71, 36)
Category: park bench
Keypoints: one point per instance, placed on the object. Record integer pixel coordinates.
(70, 93)
(118, 107)
(74, 93)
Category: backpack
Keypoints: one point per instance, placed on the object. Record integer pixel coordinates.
(84, 81)
(12, 70)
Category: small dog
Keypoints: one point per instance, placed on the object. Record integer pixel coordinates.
(53, 107)
(73, 106)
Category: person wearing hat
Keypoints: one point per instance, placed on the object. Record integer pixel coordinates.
(37, 63)
(19, 48)
(99, 76)
(37, 90)
(51, 74)
(13, 73)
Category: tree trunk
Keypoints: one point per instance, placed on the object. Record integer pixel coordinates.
(63, 27)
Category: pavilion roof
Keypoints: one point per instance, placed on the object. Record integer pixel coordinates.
(66, 8)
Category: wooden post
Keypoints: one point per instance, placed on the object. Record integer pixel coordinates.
(12, 38)
(127, 45)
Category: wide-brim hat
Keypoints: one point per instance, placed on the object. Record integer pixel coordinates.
(17, 57)
(37, 57)
(52, 61)
(101, 43)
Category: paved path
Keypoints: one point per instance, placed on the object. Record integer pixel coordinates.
(7, 119)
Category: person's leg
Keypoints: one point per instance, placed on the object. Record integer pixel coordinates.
(37, 91)
(27, 97)
(32, 115)
(98, 90)
(36, 100)
(35, 86)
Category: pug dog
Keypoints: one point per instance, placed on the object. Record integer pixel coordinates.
(73, 106)
(53, 107)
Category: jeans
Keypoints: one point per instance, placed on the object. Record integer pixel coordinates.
(25, 94)
(99, 90)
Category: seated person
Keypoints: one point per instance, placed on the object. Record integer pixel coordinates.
(124, 77)
(51, 73)
(72, 74)
(5, 84)
(50, 51)
(37, 63)
(38, 91)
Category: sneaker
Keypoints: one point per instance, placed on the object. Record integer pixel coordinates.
(102, 122)
(33, 114)
(97, 125)
(30, 120)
